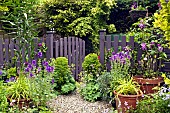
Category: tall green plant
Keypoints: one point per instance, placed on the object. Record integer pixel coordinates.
(19, 21)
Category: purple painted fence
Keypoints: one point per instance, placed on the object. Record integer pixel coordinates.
(107, 42)
(72, 48)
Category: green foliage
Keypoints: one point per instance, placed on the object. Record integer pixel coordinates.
(154, 104)
(77, 17)
(128, 87)
(162, 19)
(91, 92)
(91, 64)
(19, 89)
(89, 88)
(64, 82)
(11, 72)
(3, 99)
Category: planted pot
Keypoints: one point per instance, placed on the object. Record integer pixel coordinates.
(126, 102)
(136, 14)
(147, 84)
(21, 103)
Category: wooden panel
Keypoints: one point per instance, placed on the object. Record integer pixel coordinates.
(6, 50)
(17, 50)
(131, 42)
(36, 48)
(80, 55)
(49, 44)
(73, 53)
(69, 51)
(1, 50)
(65, 47)
(116, 40)
(83, 50)
(102, 45)
(61, 47)
(77, 58)
(108, 46)
(56, 43)
(108, 42)
(123, 42)
(12, 48)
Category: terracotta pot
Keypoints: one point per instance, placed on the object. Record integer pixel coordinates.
(21, 103)
(125, 102)
(135, 14)
(147, 84)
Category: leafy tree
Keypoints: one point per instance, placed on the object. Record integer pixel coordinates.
(79, 17)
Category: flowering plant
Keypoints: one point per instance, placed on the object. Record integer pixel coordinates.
(151, 44)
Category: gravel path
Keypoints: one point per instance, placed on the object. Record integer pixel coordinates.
(74, 103)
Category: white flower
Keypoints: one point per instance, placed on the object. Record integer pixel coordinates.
(13, 100)
(126, 103)
(145, 58)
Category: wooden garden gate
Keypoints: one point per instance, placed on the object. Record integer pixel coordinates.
(70, 47)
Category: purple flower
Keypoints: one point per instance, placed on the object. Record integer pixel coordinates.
(1, 72)
(152, 44)
(34, 62)
(160, 48)
(40, 44)
(134, 5)
(26, 63)
(45, 63)
(39, 54)
(50, 69)
(143, 46)
(52, 81)
(141, 26)
(39, 69)
(31, 75)
(158, 45)
(10, 79)
(29, 66)
(27, 69)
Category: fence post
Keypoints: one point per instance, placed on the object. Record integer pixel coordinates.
(102, 34)
(49, 44)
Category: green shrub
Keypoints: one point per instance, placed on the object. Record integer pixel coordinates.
(63, 79)
(91, 67)
(3, 99)
(91, 64)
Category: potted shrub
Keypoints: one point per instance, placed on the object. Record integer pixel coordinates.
(18, 92)
(137, 11)
(150, 62)
(127, 94)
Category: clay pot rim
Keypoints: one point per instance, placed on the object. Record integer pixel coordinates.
(131, 96)
(140, 77)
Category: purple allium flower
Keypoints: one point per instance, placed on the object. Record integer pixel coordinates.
(26, 63)
(39, 44)
(143, 46)
(158, 45)
(31, 75)
(141, 26)
(39, 54)
(52, 81)
(160, 48)
(1, 72)
(113, 53)
(12, 79)
(34, 62)
(39, 69)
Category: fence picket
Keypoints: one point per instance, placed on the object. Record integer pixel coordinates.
(73, 52)
(115, 43)
(6, 50)
(69, 51)
(65, 47)
(80, 55)
(77, 59)
(61, 47)
(123, 42)
(56, 48)
(1, 50)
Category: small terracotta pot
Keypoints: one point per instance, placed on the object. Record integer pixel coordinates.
(126, 102)
(147, 84)
(21, 103)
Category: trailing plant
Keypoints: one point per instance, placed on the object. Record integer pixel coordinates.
(63, 79)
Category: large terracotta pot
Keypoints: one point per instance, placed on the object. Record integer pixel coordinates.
(125, 102)
(147, 84)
